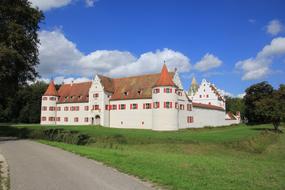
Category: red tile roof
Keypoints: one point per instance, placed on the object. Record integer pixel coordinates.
(135, 87)
(164, 79)
(51, 90)
(207, 106)
(77, 92)
(231, 116)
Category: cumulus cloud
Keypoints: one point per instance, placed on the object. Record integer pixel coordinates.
(209, 61)
(274, 27)
(49, 4)
(259, 66)
(59, 56)
(241, 95)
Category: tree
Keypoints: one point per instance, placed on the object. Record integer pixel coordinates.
(235, 105)
(272, 107)
(254, 94)
(19, 23)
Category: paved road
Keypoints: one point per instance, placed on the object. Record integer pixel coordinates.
(34, 166)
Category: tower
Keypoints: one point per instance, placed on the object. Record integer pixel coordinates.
(164, 97)
(193, 88)
(49, 99)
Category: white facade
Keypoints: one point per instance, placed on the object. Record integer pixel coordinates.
(167, 108)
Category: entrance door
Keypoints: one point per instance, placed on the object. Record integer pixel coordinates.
(97, 120)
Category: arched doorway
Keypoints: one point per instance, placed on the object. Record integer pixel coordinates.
(97, 120)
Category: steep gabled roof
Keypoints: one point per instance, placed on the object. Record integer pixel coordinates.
(51, 90)
(164, 78)
(218, 94)
(77, 92)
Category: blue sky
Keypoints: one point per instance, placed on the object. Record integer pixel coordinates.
(233, 44)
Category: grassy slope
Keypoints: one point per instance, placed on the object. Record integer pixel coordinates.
(223, 158)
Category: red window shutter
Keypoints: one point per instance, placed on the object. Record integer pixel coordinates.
(170, 104)
(119, 106)
(125, 106)
(158, 90)
(131, 106)
(170, 90)
(150, 106)
(164, 90)
(110, 107)
(164, 104)
(158, 105)
(143, 106)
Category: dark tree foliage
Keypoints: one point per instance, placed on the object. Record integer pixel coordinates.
(235, 105)
(25, 107)
(19, 23)
(254, 94)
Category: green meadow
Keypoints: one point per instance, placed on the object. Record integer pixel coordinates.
(235, 157)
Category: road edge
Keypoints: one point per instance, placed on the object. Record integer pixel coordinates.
(4, 173)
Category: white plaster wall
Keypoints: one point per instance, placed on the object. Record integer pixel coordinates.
(81, 114)
(48, 103)
(209, 117)
(183, 114)
(131, 118)
(165, 119)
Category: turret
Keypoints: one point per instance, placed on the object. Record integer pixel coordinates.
(164, 97)
(193, 88)
(48, 109)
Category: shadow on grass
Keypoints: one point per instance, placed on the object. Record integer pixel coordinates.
(10, 131)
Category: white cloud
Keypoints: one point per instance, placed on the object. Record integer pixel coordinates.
(259, 67)
(241, 95)
(224, 93)
(209, 61)
(274, 27)
(90, 3)
(59, 56)
(252, 21)
(49, 4)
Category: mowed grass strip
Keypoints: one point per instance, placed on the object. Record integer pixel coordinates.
(236, 157)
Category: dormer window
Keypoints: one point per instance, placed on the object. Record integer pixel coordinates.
(139, 92)
(79, 97)
(126, 93)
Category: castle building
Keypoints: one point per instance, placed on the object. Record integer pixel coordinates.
(153, 101)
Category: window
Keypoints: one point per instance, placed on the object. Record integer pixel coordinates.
(167, 104)
(133, 106)
(147, 106)
(77, 108)
(189, 107)
(76, 119)
(58, 119)
(179, 93)
(106, 107)
(181, 107)
(96, 95)
(51, 108)
(200, 96)
(44, 98)
(66, 119)
(44, 108)
(86, 119)
(44, 118)
(65, 108)
(156, 91)
(155, 105)
(190, 119)
(207, 96)
(139, 92)
(209, 103)
(125, 93)
(58, 108)
(96, 107)
(176, 105)
(167, 90)
(122, 106)
(52, 98)
(114, 107)
(86, 108)
(51, 118)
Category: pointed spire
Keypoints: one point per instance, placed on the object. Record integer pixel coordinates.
(194, 82)
(51, 90)
(165, 78)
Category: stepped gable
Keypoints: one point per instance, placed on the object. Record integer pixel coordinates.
(165, 78)
(51, 90)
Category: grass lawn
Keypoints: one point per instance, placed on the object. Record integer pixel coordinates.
(237, 157)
